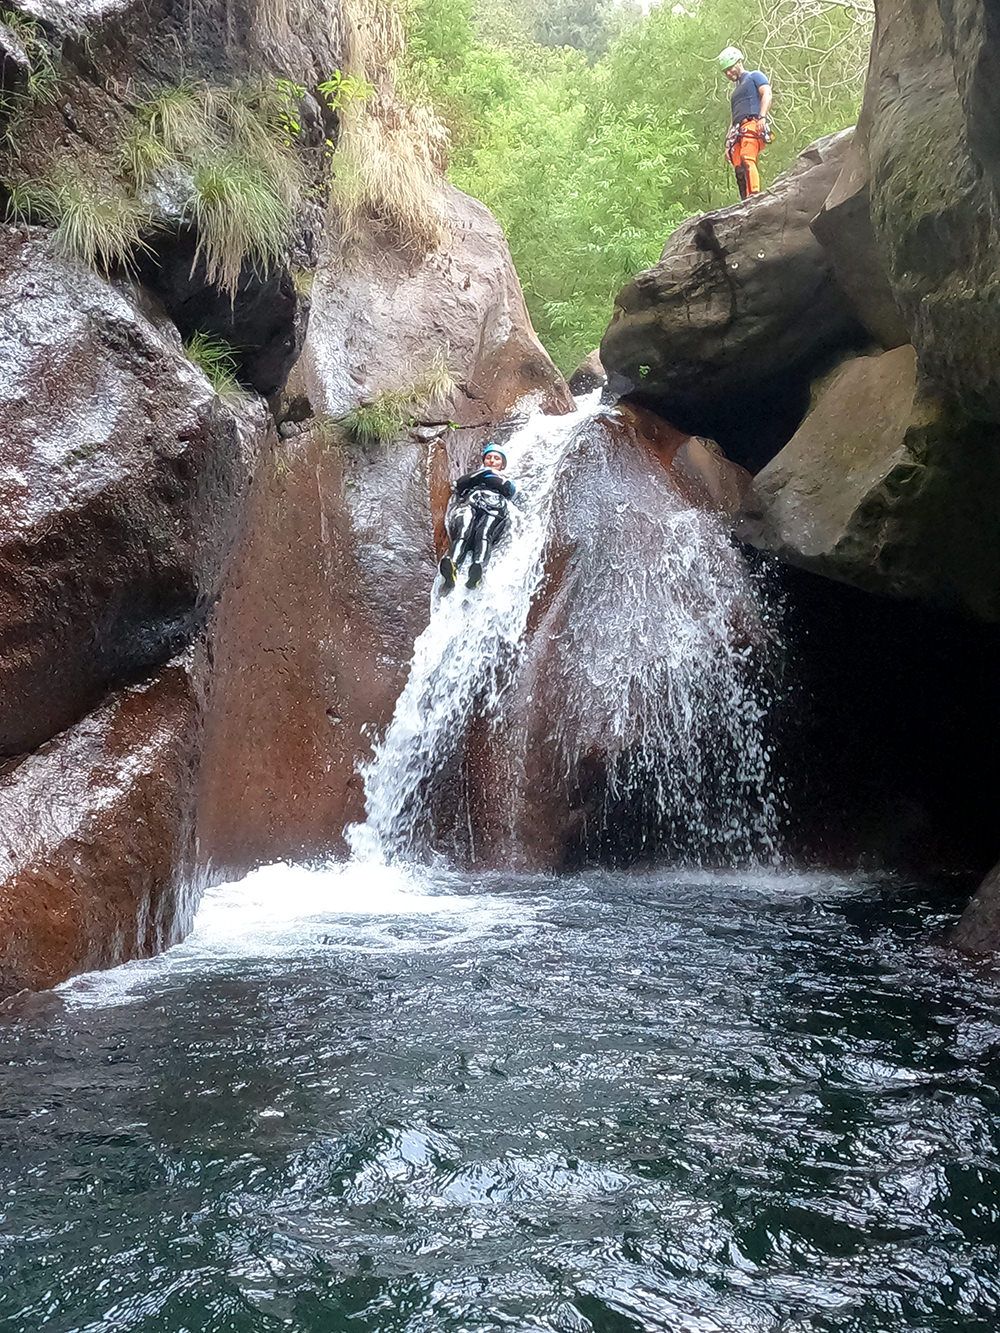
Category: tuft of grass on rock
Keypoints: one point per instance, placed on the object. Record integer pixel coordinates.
(141, 154)
(437, 384)
(178, 118)
(95, 222)
(386, 416)
(217, 359)
(27, 201)
(389, 162)
(239, 216)
(381, 419)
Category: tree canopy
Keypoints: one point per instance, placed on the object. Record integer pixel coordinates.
(592, 129)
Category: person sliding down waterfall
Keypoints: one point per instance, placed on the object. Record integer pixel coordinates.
(477, 517)
(749, 132)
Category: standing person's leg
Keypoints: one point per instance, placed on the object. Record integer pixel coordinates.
(739, 167)
(749, 148)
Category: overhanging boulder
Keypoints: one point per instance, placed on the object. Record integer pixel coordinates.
(843, 227)
(886, 487)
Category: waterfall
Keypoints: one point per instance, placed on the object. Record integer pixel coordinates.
(617, 632)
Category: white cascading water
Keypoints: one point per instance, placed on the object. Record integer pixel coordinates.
(462, 659)
(648, 658)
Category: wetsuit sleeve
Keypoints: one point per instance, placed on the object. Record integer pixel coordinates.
(485, 479)
(468, 482)
(508, 490)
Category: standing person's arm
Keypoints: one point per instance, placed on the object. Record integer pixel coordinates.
(765, 94)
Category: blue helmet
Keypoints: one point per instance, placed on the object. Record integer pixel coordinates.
(495, 449)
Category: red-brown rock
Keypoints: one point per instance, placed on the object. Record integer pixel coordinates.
(332, 583)
(94, 831)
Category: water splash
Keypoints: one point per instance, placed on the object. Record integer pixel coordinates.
(614, 650)
(656, 657)
(463, 659)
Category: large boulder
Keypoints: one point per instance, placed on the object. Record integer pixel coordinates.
(642, 595)
(380, 319)
(887, 487)
(94, 834)
(843, 227)
(724, 333)
(929, 134)
(122, 474)
(332, 582)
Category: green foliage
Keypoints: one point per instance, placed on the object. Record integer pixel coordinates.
(237, 146)
(43, 77)
(27, 201)
(340, 89)
(217, 359)
(592, 130)
(177, 120)
(142, 154)
(380, 420)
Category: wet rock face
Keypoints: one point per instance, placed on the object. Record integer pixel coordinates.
(379, 319)
(265, 324)
(886, 487)
(94, 830)
(580, 704)
(122, 477)
(844, 229)
(589, 375)
(725, 332)
(929, 132)
(331, 584)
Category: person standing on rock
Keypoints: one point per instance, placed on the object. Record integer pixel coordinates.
(749, 132)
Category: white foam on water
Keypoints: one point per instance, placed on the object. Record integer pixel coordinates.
(291, 912)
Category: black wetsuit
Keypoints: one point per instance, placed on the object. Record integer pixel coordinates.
(478, 515)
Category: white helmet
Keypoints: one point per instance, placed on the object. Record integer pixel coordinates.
(731, 56)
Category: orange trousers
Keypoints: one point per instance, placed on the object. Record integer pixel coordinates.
(744, 154)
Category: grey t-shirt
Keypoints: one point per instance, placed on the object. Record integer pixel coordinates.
(746, 94)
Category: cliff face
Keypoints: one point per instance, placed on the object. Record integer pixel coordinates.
(208, 597)
(855, 303)
(331, 583)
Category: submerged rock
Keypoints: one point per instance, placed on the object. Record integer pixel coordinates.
(724, 333)
(887, 487)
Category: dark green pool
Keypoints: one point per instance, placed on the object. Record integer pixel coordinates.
(610, 1103)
